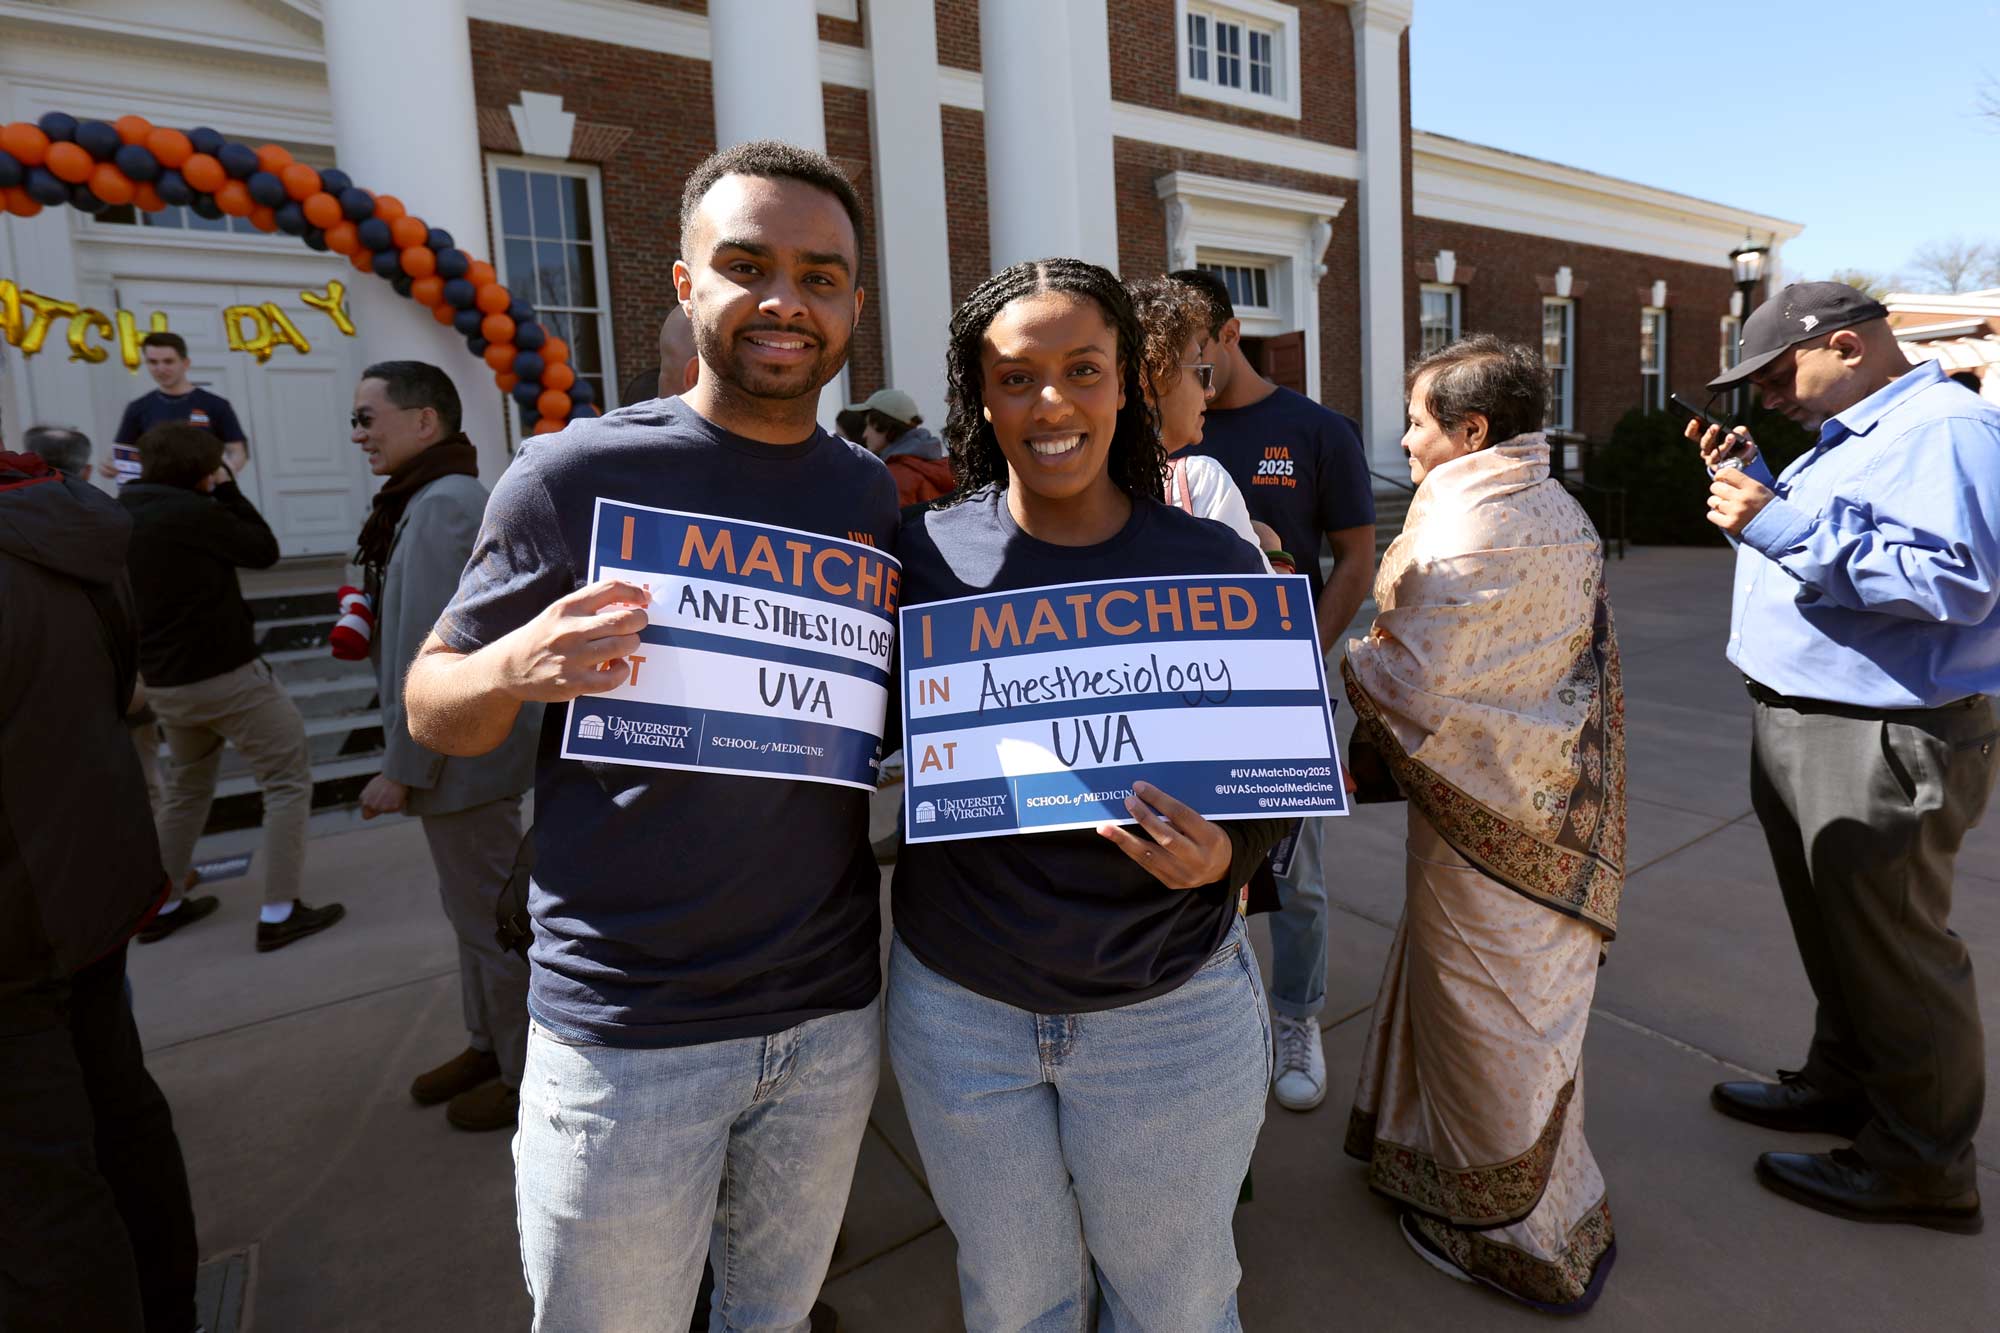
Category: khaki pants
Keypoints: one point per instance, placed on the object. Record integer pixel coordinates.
(246, 708)
(474, 854)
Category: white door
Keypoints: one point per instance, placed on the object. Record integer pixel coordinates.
(310, 482)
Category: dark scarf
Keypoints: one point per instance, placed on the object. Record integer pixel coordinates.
(452, 456)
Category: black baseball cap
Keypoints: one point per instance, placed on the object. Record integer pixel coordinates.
(1801, 311)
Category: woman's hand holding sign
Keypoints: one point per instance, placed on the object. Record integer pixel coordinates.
(1186, 851)
(577, 645)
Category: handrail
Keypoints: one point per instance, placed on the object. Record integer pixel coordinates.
(1397, 482)
(1608, 492)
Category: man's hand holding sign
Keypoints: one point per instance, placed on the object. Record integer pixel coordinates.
(577, 646)
(1186, 851)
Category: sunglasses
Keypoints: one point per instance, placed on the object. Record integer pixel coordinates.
(1204, 373)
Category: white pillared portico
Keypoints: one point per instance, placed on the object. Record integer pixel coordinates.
(1378, 79)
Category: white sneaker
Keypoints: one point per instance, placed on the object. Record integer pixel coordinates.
(1300, 1076)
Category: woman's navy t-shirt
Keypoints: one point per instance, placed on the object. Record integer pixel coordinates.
(675, 907)
(1058, 922)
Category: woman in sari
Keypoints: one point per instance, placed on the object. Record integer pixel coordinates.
(1488, 688)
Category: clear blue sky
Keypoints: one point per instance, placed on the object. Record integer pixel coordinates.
(1857, 118)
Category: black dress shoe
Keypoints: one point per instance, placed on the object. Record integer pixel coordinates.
(1791, 1104)
(190, 911)
(302, 922)
(1843, 1183)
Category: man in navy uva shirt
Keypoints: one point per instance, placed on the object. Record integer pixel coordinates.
(1864, 624)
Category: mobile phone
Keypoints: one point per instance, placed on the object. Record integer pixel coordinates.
(1698, 413)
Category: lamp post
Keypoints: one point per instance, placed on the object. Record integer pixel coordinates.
(1746, 265)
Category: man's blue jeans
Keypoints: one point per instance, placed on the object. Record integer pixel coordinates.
(630, 1165)
(1088, 1160)
(1298, 931)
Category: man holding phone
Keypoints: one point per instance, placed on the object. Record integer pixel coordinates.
(1864, 624)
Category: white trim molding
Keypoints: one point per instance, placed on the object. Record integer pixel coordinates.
(1378, 83)
(542, 126)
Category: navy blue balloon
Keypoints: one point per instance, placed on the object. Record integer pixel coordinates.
(387, 263)
(333, 180)
(45, 187)
(98, 139)
(291, 218)
(467, 321)
(81, 197)
(315, 239)
(238, 159)
(528, 365)
(356, 204)
(460, 293)
(453, 264)
(401, 282)
(437, 238)
(374, 234)
(581, 392)
(58, 125)
(137, 162)
(204, 206)
(476, 345)
(173, 188)
(267, 189)
(526, 392)
(520, 312)
(529, 336)
(578, 411)
(206, 140)
(11, 171)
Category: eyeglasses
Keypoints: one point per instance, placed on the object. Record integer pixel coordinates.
(1204, 373)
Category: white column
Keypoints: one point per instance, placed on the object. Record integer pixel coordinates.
(1090, 86)
(1378, 31)
(914, 292)
(1033, 208)
(400, 78)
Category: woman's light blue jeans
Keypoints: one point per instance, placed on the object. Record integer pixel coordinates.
(630, 1165)
(1088, 1159)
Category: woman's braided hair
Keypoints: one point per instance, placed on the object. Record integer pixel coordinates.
(1137, 463)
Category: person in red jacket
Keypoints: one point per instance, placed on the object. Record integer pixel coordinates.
(888, 424)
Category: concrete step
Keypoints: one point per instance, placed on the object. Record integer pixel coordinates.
(328, 738)
(333, 696)
(337, 784)
(296, 665)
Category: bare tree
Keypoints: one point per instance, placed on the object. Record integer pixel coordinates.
(1955, 264)
(1877, 285)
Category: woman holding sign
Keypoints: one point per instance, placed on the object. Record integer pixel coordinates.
(1075, 1017)
(1489, 685)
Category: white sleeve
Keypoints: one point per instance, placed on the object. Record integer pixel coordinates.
(1215, 495)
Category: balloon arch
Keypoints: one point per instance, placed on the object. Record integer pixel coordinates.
(93, 165)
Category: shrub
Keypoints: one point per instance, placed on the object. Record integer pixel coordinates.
(1665, 484)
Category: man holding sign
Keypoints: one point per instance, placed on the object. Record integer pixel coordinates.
(712, 572)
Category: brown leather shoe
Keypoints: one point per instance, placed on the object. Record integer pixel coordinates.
(491, 1105)
(1844, 1184)
(462, 1073)
(1791, 1104)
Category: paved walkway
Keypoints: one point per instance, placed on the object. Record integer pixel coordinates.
(288, 1076)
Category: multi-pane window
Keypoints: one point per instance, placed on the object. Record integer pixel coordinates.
(1260, 63)
(1437, 317)
(1653, 359)
(1249, 284)
(1228, 54)
(1197, 47)
(551, 253)
(1558, 347)
(1732, 342)
(175, 217)
(1241, 52)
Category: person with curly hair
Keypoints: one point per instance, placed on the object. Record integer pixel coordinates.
(1075, 1017)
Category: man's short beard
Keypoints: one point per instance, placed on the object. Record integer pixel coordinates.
(718, 355)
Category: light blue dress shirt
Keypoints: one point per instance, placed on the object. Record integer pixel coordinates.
(1872, 579)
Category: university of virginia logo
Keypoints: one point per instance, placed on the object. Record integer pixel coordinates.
(591, 728)
(926, 813)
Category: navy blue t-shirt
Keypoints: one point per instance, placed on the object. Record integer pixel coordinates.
(674, 907)
(1060, 922)
(198, 407)
(1301, 468)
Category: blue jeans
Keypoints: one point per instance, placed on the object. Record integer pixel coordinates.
(1298, 931)
(1088, 1160)
(631, 1165)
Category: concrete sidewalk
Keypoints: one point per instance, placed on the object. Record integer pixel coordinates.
(288, 1074)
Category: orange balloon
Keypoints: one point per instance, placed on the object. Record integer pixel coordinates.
(363, 258)
(301, 182)
(273, 159)
(70, 163)
(555, 350)
(171, 146)
(111, 185)
(506, 379)
(132, 129)
(553, 404)
(479, 273)
(203, 172)
(497, 329)
(342, 238)
(408, 231)
(26, 142)
(500, 356)
(557, 375)
(264, 218)
(419, 262)
(546, 427)
(493, 299)
(234, 199)
(388, 207)
(322, 210)
(20, 203)
(427, 290)
(147, 198)
(442, 312)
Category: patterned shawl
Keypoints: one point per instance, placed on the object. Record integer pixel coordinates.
(1490, 683)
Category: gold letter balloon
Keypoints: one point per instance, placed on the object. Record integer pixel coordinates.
(27, 318)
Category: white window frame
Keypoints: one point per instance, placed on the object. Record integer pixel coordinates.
(1653, 379)
(1271, 266)
(1455, 303)
(496, 246)
(1565, 418)
(1277, 21)
(1731, 330)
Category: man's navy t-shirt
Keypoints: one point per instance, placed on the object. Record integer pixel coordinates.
(1059, 922)
(674, 907)
(197, 407)
(1301, 468)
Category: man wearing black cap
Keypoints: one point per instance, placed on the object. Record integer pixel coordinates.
(1864, 623)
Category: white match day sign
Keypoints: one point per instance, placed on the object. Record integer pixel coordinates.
(767, 652)
(1036, 710)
